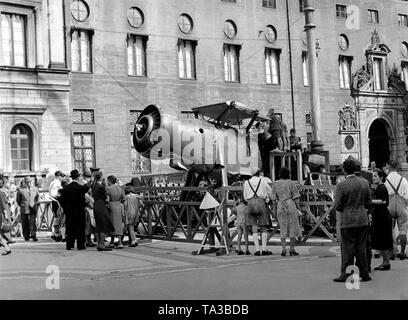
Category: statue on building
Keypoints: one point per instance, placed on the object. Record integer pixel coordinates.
(375, 37)
(394, 80)
(347, 118)
(360, 78)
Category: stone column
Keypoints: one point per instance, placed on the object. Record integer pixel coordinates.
(56, 28)
(310, 27)
(39, 27)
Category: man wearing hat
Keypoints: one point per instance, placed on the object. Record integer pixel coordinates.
(27, 198)
(54, 189)
(72, 200)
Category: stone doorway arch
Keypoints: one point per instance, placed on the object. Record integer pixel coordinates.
(379, 141)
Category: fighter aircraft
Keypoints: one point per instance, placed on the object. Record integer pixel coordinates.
(218, 142)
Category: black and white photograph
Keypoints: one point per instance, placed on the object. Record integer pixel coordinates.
(203, 154)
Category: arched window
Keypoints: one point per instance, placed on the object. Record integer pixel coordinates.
(21, 148)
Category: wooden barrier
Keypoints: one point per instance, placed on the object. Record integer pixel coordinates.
(45, 216)
(163, 216)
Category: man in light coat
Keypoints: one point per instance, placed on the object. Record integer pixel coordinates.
(27, 199)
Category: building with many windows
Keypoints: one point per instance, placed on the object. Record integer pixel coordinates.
(34, 88)
(74, 103)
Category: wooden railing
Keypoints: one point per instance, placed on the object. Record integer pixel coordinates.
(163, 216)
(173, 213)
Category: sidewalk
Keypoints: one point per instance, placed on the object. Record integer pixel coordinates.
(167, 270)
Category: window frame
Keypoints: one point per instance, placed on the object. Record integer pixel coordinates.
(138, 156)
(349, 61)
(405, 17)
(86, 7)
(404, 72)
(382, 73)
(267, 4)
(142, 16)
(84, 148)
(30, 139)
(229, 70)
(83, 110)
(268, 54)
(370, 16)
(29, 35)
(135, 111)
(341, 11)
(90, 33)
(194, 44)
(180, 24)
(145, 39)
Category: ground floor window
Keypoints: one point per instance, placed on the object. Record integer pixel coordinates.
(140, 164)
(84, 151)
(21, 148)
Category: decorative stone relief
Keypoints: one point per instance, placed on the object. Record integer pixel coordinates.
(347, 119)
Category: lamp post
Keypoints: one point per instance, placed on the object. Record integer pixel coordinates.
(317, 143)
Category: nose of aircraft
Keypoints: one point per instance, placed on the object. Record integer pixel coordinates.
(149, 120)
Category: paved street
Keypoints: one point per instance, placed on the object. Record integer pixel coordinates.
(167, 270)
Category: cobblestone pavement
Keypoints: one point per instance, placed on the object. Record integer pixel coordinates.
(168, 270)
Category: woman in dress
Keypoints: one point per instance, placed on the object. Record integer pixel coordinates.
(286, 196)
(103, 224)
(381, 227)
(116, 197)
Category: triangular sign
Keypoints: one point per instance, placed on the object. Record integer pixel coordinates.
(209, 202)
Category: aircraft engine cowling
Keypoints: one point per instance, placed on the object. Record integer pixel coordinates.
(149, 120)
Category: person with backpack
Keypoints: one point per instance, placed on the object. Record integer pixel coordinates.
(285, 197)
(256, 190)
(397, 187)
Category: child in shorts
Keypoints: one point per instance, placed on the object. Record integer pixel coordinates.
(240, 210)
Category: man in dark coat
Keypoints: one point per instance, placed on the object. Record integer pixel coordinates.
(352, 200)
(72, 200)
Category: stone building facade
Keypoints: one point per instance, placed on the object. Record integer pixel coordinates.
(34, 88)
(179, 54)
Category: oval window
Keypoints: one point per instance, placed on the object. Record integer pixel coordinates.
(79, 10)
(135, 17)
(185, 23)
(230, 29)
(270, 34)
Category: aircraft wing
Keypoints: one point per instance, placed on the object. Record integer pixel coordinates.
(229, 112)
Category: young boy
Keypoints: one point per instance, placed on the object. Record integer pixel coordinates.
(295, 143)
(240, 210)
(131, 207)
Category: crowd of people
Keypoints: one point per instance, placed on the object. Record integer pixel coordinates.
(259, 199)
(86, 209)
(368, 217)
